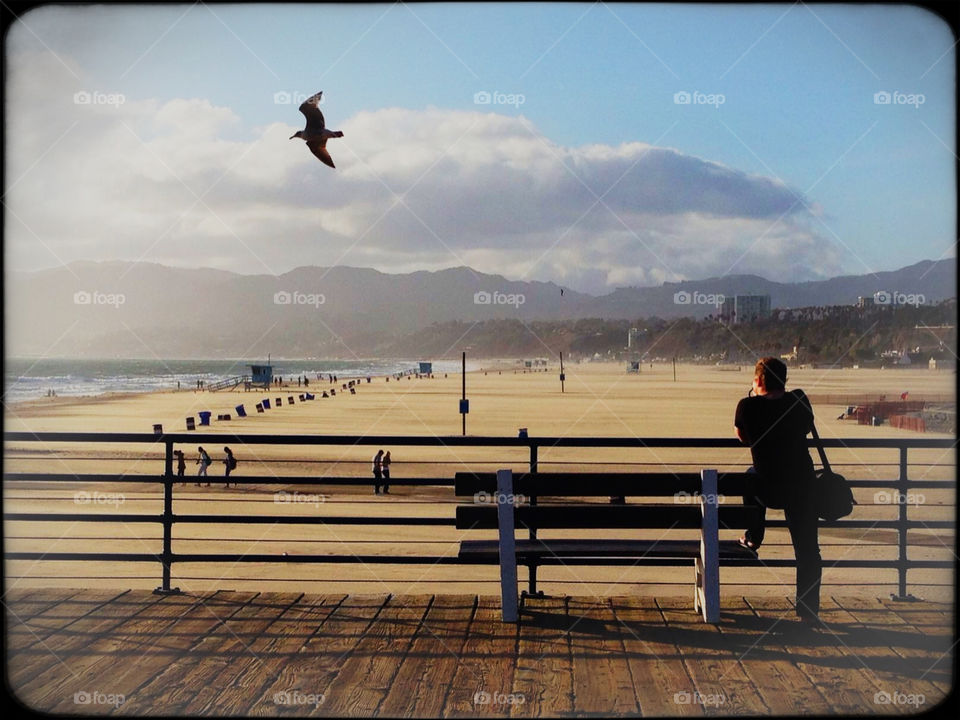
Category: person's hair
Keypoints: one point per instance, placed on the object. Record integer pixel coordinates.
(773, 371)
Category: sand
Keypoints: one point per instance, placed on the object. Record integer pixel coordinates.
(600, 399)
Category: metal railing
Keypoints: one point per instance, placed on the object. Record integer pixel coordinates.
(902, 485)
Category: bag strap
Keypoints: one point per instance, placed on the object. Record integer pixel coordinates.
(823, 455)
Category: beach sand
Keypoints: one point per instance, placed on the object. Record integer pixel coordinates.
(600, 399)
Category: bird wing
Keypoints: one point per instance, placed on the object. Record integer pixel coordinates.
(319, 148)
(311, 111)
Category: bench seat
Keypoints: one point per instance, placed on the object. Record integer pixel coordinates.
(558, 552)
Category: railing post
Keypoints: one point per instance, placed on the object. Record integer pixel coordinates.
(902, 526)
(508, 547)
(532, 567)
(167, 552)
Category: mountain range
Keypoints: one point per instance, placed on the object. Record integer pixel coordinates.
(122, 309)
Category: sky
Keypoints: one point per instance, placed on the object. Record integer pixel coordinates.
(594, 145)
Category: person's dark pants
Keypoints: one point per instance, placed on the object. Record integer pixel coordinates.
(804, 525)
(386, 479)
(377, 475)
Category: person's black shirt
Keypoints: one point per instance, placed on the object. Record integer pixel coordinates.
(776, 431)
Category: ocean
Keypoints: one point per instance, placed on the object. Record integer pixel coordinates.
(29, 379)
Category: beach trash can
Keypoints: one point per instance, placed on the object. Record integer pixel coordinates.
(309, 396)
(190, 423)
(204, 416)
(333, 391)
(259, 407)
(240, 411)
(279, 402)
(157, 429)
(266, 403)
(302, 397)
(353, 391)
(290, 400)
(325, 394)
(876, 421)
(225, 416)
(522, 433)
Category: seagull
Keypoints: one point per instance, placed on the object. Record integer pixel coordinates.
(316, 133)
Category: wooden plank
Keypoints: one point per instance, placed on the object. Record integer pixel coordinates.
(22, 629)
(836, 671)
(236, 688)
(784, 687)
(721, 684)
(365, 677)
(116, 663)
(544, 675)
(654, 659)
(895, 655)
(301, 683)
(602, 683)
(71, 645)
(426, 675)
(488, 661)
(208, 657)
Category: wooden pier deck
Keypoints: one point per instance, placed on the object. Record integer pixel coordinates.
(247, 653)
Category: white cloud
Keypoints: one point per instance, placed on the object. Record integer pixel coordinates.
(185, 182)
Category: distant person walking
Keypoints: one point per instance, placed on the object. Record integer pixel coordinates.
(230, 463)
(385, 469)
(377, 472)
(204, 462)
(775, 423)
(181, 465)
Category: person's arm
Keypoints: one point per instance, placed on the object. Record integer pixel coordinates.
(738, 423)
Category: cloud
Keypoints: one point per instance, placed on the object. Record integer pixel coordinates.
(185, 182)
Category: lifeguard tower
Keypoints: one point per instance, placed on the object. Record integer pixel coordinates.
(261, 376)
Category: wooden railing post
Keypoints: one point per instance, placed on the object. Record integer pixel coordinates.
(707, 570)
(167, 552)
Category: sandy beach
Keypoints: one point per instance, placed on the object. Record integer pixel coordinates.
(599, 399)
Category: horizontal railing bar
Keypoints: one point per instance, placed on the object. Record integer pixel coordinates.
(446, 560)
(458, 440)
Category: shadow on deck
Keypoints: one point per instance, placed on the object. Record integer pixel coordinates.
(248, 653)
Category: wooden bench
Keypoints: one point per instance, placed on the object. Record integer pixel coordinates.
(505, 502)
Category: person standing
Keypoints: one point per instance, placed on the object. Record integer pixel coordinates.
(775, 423)
(181, 465)
(204, 462)
(385, 469)
(377, 472)
(229, 462)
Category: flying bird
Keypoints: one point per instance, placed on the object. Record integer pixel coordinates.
(316, 133)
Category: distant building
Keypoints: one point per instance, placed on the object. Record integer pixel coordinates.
(744, 308)
(631, 337)
(866, 302)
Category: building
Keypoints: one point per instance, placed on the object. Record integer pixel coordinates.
(744, 308)
(865, 302)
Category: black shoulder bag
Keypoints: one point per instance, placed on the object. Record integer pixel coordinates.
(834, 498)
